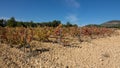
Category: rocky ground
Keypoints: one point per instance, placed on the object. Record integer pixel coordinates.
(99, 53)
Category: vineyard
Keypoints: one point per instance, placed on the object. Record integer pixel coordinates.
(42, 47)
(23, 36)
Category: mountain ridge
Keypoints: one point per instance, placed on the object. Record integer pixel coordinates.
(111, 23)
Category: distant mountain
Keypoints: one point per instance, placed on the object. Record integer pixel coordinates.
(113, 23)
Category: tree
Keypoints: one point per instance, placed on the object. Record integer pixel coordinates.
(75, 25)
(55, 23)
(11, 22)
(68, 24)
(19, 24)
(1, 22)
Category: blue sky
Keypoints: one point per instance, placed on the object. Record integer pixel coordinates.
(79, 12)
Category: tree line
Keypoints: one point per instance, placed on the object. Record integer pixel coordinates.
(13, 23)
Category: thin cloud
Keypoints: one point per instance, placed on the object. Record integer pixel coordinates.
(73, 3)
(72, 18)
(4, 18)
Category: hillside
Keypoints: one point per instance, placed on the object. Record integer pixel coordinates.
(113, 23)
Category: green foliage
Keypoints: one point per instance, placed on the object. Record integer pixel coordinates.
(1, 22)
(55, 23)
(68, 24)
(11, 22)
(19, 24)
(93, 25)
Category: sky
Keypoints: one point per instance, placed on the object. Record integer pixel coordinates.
(79, 12)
